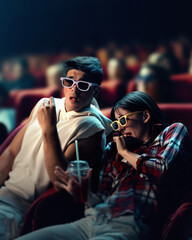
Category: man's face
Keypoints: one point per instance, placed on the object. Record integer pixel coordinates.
(75, 99)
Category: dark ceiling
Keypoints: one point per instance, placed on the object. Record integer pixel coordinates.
(52, 25)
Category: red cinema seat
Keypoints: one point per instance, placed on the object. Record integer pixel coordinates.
(111, 92)
(179, 112)
(181, 88)
(179, 224)
(131, 86)
(25, 100)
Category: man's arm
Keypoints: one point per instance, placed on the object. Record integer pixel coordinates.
(89, 149)
(9, 154)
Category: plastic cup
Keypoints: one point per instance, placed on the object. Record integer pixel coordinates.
(79, 186)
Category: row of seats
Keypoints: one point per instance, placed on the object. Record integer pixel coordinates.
(111, 92)
(181, 87)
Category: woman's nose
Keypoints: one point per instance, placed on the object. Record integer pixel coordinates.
(120, 128)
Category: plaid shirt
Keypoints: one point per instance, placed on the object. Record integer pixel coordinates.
(128, 190)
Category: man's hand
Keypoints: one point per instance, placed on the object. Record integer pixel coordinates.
(70, 184)
(47, 115)
(64, 180)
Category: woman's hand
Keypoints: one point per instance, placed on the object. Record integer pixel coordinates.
(121, 144)
(125, 147)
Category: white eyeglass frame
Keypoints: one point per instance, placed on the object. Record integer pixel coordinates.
(77, 83)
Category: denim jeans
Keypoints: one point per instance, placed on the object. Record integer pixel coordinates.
(93, 227)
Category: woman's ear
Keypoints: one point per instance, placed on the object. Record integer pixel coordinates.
(97, 91)
(146, 116)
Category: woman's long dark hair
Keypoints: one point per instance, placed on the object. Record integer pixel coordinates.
(140, 101)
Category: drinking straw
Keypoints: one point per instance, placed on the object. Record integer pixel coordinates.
(78, 164)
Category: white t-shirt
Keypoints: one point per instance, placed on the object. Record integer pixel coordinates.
(29, 178)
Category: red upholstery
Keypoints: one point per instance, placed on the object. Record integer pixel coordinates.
(179, 225)
(182, 77)
(131, 86)
(50, 209)
(26, 100)
(181, 87)
(111, 92)
(179, 112)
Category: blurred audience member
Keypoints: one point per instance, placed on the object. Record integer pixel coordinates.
(166, 60)
(181, 50)
(133, 64)
(102, 55)
(154, 80)
(37, 67)
(15, 75)
(53, 73)
(117, 70)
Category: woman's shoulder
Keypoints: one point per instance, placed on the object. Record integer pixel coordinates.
(175, 129)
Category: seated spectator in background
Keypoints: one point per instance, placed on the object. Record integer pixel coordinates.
(154, 80)
(133, 64)
(114, 87)
(15, 75)
(53, 73)
(182, 51)
(135, 163)
(47, 139)
(103, 56)
(117, 70)
(165, 60)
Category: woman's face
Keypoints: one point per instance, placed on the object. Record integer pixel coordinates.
(136, 126)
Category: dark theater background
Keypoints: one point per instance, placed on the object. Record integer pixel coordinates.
(36, 36)
(44, 25)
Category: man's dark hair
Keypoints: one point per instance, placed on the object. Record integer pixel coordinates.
(140, 101)
(91, 66)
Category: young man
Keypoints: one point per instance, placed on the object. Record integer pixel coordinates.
(146, 153)
(27, 165)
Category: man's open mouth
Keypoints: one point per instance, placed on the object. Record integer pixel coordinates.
(74, 99)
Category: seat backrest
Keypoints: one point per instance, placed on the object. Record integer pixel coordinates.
(181, 87)
(179, 112)
(26, 100)
(111, 92)
(179, 224)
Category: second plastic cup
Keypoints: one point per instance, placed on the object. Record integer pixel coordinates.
(79, 186)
